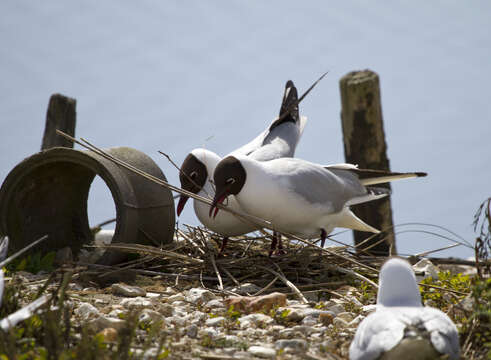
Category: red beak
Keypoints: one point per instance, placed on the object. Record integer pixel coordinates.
(182, 202)
(218, 199)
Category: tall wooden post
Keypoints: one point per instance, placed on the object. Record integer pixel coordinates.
(364, 144)
(61, 115)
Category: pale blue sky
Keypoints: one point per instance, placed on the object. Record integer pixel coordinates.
(166, 75)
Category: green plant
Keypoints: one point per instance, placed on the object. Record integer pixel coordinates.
(459, 283)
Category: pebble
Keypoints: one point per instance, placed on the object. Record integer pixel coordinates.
(87, 311)
(346, 316)
(356, 321)
(294, 344)
(177, 297)
(152, 295)
(217, 321)
(262, 352)
(340, 322)
(136, 303)
(215, 304)
(336, 308)
(148, 316)
(255, 320)
(127, 290)
(245, 289)
(166, 309)
(192, 331)
(109, 334)
(326, 318)
(199, 296)
(103, 322)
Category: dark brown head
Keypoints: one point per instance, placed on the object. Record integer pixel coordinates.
(193, 176)
(229, 179)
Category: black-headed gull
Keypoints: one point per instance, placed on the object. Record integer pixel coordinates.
(300, 197)
(278, 140)
(401, 328)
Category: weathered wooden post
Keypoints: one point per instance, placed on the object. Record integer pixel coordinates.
(61, 115)
(364, 144)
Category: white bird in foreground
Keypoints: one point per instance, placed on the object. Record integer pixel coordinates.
(300, 197)
(401, 328)
(278, 140)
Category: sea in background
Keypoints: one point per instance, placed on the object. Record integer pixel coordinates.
(173, 75)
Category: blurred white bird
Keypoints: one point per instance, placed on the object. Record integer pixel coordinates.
(401, 328)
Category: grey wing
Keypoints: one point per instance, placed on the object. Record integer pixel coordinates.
(251, 146)
(280, 139)
(318, 185)
(444, 334)
(376, 334)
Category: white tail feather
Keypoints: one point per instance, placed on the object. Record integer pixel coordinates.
(351, 221)
(386, 179)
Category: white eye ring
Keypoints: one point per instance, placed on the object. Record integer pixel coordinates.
(193, 174)
(230, 181)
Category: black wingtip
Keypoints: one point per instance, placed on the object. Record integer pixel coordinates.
(288, 103)
(421, 174)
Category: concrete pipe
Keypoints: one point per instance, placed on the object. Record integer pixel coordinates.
(47, 193)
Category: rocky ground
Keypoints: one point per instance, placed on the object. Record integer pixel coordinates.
(198, 323)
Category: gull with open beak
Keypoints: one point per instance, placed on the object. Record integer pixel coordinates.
(299, 197)
(278, 140)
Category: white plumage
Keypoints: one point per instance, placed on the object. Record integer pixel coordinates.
(400, 315)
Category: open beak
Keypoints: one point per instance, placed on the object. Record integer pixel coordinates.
(182, 202)
(218, 199)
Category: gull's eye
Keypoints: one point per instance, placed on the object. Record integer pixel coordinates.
(230, 181)
(193, 175)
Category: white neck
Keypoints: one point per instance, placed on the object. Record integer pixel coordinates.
(397, 285)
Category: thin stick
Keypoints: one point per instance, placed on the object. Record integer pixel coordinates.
(22, 251)
(266, 287)
(137, 248)
(287, 282)
(150, 272)
(424, 254)
(354, 273)
(191, 241)
(98, 226)
(230, 276)
(443, 289)
(220, 282)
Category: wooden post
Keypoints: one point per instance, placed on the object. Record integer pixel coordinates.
(364, 145)
(61, 115)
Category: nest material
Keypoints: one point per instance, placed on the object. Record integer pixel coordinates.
(194, 255)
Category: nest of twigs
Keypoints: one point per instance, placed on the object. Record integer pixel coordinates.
(194, 255)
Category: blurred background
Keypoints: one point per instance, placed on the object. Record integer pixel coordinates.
(173, 75)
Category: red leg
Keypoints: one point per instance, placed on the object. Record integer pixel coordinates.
(224, 244)
(323, 237)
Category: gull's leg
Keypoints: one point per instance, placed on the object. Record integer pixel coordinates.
(323, 237)
(276, 245)
(224, 244)
(274, 242)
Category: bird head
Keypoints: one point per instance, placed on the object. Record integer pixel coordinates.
(229, 179)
